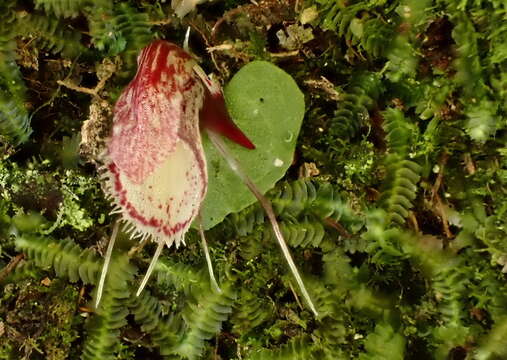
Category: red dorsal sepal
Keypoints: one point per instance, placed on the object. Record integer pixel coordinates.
(214, 116)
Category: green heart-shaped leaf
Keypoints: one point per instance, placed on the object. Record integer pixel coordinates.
(266, 103)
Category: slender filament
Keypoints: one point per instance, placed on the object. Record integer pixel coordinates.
(266, 204)
(107, 260)
(204, 245)
(151, 267)
(185, 42)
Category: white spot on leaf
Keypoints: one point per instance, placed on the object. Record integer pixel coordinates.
(278, 162)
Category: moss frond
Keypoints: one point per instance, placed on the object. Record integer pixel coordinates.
(331, 327)
(62, 8)
(453, 331)
(14, 120)
(399, 188)
(250, 310)
(304, 234)
(119, 29)
(482, 120)
(165, 330)
(301, 197)
(361, 25)
(204, 319)
(384, 343)
(297, 203)
(298, 348)
(181, 277)
(352, 113)
(493, 345)
(65, 257)
(399, 132)
(103, 329)
(52, 35)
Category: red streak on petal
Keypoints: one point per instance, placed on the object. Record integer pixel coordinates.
(161, 60)
(214, 116)
(153, 60)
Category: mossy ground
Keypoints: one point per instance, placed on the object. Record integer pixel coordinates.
(394, 205)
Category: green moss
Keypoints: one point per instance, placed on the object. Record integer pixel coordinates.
(393, 203)
(57, 341)
(41, 320)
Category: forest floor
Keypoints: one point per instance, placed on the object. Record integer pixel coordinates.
(394, 201)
